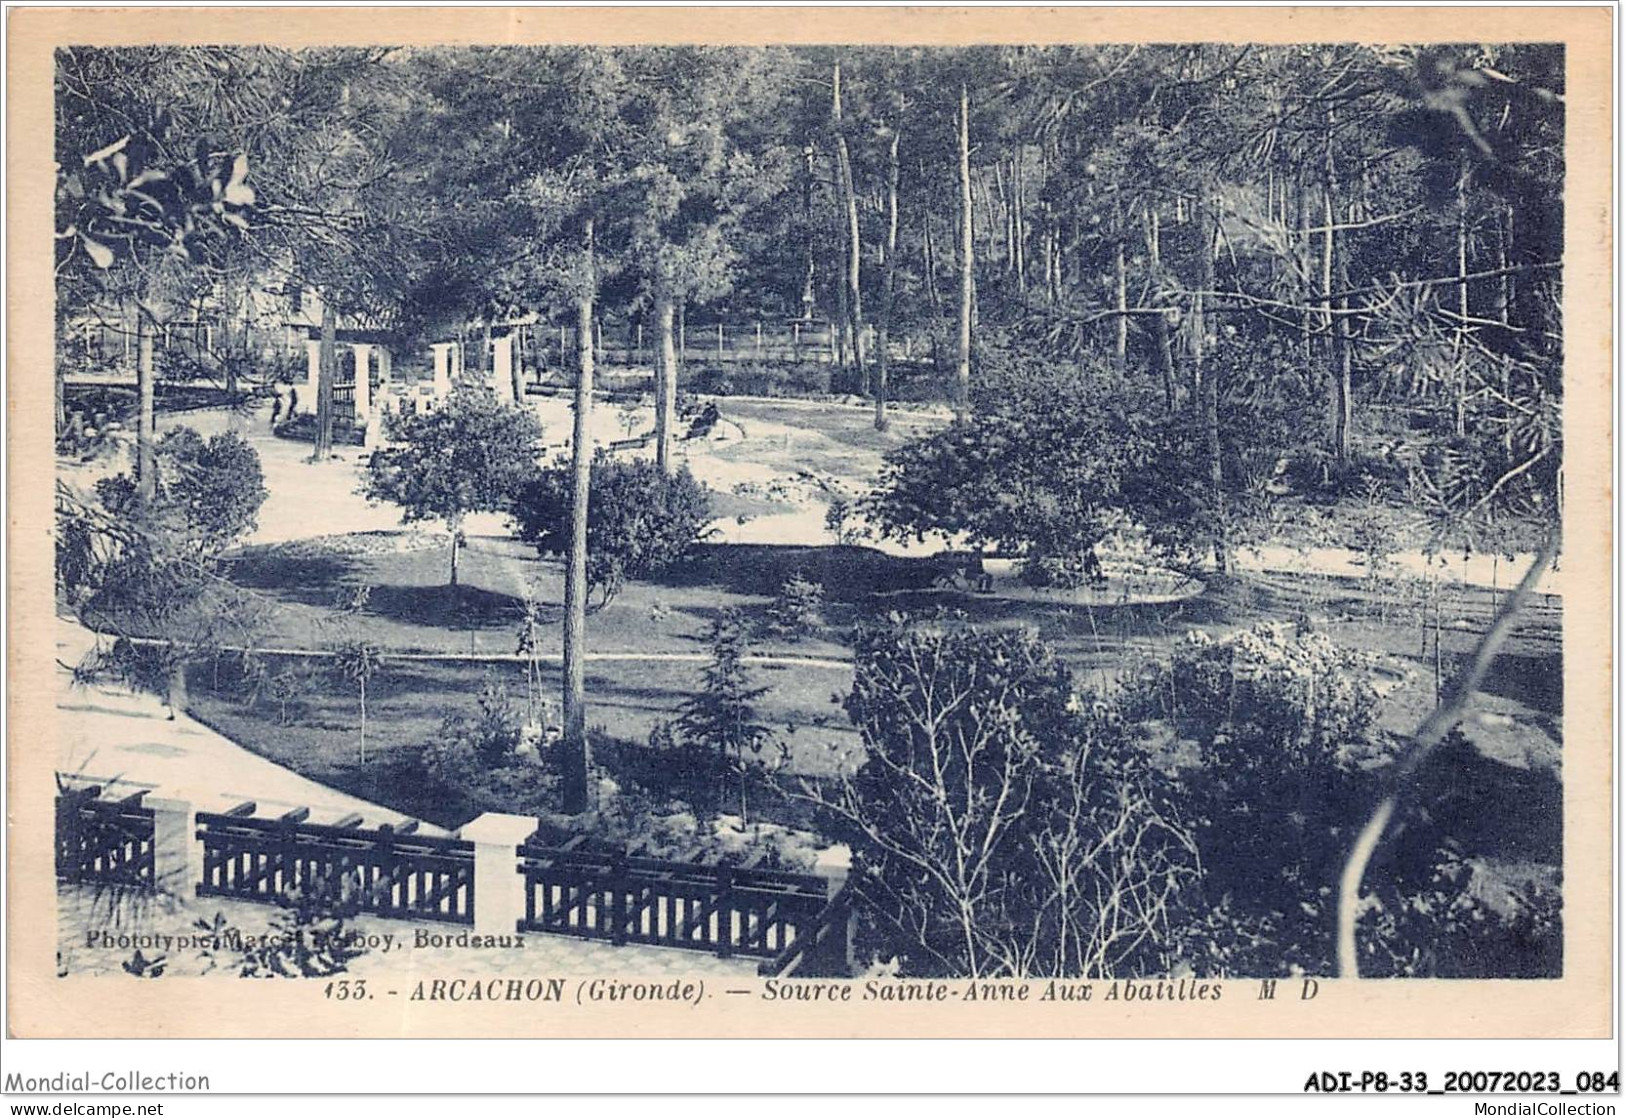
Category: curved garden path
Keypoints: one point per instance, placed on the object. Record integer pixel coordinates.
(111, 735)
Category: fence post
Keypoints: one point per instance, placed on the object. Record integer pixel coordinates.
(617, 899)
(725, 912)
(839, 952)
(844, 952)
(499, 887)
(177, 852)
(719, 341)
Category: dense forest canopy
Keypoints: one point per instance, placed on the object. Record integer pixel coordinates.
(1328, 258)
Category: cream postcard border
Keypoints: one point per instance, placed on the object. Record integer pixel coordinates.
(1577, 1005)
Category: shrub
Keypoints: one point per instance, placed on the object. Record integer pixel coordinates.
(798, 610)
(1037, 469)
(1279, 721)
(639, 519)
(1265, 696)
(130, 557)
(1440, 928)
(1001, 824)
(678, 766)
(141, 667)
(288, 689)
(1063, 572)
(494, 732)
(762, 378)
(479, 756)
(309, 936)
(301, 428)
(838, 519)
(469, 455)
(448, 758)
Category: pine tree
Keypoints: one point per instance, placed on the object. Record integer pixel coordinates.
(799, 608)
(723, 714)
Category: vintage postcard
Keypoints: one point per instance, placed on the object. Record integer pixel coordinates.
(810, 523)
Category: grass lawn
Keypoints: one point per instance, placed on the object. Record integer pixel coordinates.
(406, 701)
(1515, 728)
(411, 607)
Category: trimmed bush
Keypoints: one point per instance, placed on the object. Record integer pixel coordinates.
(639, 520)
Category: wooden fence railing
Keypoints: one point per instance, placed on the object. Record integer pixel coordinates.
(788, 920)
(108, 841)
(383, 871)
(824, 947)
(723, 909)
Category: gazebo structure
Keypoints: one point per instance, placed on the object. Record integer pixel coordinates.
(360, 380)
(363, 388)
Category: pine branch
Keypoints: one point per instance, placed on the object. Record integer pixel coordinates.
(1427, 737)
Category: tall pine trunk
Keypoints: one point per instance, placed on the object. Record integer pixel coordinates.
(327, 369)
(228, 345)
(810, 267)
(575, 759)
(888, 286)
(1340, 375)
(1207, 378)
(1121, 348)
(59, 401)
(967, 278)
(1018, 195)
(363, 682)
(665, 380)
(1462, 304)
(1339, 407)
(841, 329)
(928, 252)
(146, 387)
(852, 270)
(1007, 214)
(1165, 362)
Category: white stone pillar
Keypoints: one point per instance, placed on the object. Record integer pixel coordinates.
(502, 367)
(313, 374)
(499, 887)
(363, 382)
(834, 865)
(177, 853)
(442, 370)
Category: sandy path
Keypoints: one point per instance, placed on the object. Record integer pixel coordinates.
(308, 499)
(109, 735)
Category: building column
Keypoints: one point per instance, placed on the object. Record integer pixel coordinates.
(499, 887)
(177, 854)
(363, 382)
(313, 374)
(442, 370)
(373, 437)
(502, 367)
